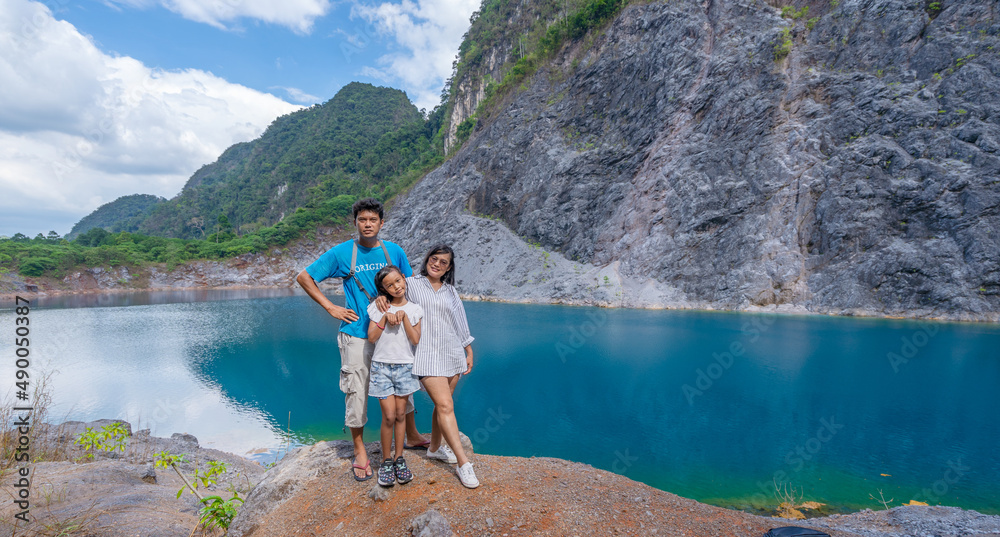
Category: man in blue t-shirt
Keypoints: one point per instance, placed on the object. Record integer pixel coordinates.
(355, 349)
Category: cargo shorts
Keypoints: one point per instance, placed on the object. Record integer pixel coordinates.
(355, 367)
(355, 364)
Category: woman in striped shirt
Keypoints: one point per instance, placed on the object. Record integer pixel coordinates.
(444, 353)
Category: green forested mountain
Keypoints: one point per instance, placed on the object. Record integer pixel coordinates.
(365, 141)
(123, 214)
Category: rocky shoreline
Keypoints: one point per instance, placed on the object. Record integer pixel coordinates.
(310, 492)
(194, 278)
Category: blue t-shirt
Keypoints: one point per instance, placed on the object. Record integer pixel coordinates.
(335, 263)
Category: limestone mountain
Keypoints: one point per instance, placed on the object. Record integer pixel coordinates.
(366, 140)
(826, 156)
(122, 214)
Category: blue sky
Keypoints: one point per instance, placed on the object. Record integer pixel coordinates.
(100, 99)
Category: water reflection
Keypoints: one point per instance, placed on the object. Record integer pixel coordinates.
(814, 400)
(147, 298)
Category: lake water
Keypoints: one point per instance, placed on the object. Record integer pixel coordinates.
(712, 406)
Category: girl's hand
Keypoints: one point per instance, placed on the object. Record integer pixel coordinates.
(401, 315)
(382, 303)
(393, 318)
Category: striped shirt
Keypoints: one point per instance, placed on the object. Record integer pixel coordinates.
(445, 331)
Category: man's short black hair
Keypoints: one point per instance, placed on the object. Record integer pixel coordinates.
(369, 204)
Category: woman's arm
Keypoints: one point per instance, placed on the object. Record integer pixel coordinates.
(460, 322)
(468, 359)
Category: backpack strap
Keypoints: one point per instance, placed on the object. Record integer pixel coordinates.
(354, 262)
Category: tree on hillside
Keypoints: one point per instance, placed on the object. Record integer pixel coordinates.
(95, 236)
(198, 222)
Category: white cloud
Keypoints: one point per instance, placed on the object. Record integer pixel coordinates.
(377, 74)
(79, 128)
(298, 95)
(298, 15)
(428, 33)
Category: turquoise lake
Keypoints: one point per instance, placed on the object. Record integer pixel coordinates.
(712, 406)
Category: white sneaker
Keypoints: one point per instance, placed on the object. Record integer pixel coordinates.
(443, 453)
(467, 475)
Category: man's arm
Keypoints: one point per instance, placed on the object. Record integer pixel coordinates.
(337, 312)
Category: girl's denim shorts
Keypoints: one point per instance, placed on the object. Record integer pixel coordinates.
(392, 379)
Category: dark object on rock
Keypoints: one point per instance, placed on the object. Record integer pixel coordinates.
(430, 524)
(149, 475)
(185, 438)
(795, 531)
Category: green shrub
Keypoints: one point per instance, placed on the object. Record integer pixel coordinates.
(36, 266)
(464, 129)
(784, 47)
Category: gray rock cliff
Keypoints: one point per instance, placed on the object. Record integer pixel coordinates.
(681, 158)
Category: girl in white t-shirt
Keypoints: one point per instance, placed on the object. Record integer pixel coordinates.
(395, 334)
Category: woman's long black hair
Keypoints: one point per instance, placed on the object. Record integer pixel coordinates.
(449, 276)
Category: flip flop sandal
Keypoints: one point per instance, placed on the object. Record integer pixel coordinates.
(422, 445)
(356, 466)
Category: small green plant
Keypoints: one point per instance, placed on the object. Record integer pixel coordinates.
(789, 12)
(811, 23)
(834, 3)
(963, 60)
(784, 46)
(215, 510)
(111, 438)
(219, 512)
(607, 281)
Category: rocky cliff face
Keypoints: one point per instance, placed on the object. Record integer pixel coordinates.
(715, 154)
(471, 90)
(470, 87)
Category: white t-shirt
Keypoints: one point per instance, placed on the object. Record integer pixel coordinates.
(393, 347)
